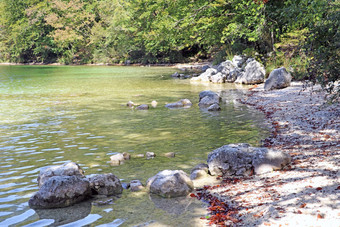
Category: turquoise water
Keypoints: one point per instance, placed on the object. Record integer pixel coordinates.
(53, 114)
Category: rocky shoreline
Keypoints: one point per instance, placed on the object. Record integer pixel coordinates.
(306, 192)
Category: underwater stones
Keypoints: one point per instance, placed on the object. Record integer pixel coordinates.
(130, 104)
(150, 155)
(61, 191)
(67, 169)
(183, 103)
(105, 184)
(170, 183)
(214, 107)
(170, 154)
(154, 103)
(142, 107)
(117, 159)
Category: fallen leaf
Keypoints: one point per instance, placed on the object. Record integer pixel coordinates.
(319, 188)
(299, 212)
(267, 224)
(320, 216)
(303, 205)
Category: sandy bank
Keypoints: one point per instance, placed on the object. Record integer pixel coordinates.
(307, 192)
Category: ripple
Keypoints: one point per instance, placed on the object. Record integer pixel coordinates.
(86, 221)
(43, 222)
(18, 218)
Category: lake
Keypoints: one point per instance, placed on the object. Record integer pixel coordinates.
(50, 115)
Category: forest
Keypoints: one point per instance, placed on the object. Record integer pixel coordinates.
(302, 35)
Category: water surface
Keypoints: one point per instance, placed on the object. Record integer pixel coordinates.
(53, 114)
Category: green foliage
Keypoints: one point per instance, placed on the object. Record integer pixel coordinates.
(323, 48)
(290, 33)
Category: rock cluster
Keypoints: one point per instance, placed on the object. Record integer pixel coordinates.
(65, 185)
(209, 100)
(241, 70)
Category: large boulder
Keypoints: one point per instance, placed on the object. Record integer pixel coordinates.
(208, 98)
(205, 77)
(61, 191)
(242, 159)
(67, 169)
(233, 75)
(253, 73)
(218, 78)
(278, 78)
(238, 60)
(183, 103)
(170, 183)
(225, 67)
(105, 184)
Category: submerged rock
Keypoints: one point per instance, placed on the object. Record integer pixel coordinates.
(142, 107)
(278, 78)
(208, 98)
(67, 169)
(105, 184)
(170, 183)
(150, 155)
(180, 104)
(242, 160)
(117, 159)
(61, 191)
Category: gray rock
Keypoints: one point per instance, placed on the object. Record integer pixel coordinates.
(183, 103)
(205, 67)
(199, 171)
(130, 104)
(208, 98)
(126, 156)
(278, 78)
(117, 159)
(254, 73)
(218, 78)
(142, 107)
(176, 74)
(233, 75)
(136, 185)
(150, 155)
(61, 191)
(105, 184)
(214, 107)
(242, 160)
(67, 169)
(238, 60)
(205, 77)
(170, 183)
(226, 67)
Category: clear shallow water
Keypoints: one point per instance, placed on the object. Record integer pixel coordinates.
(53, 114)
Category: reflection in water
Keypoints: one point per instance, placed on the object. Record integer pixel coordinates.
(51, 115)
(62, 216)
(175, 206)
